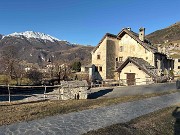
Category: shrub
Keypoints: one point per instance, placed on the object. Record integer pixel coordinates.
(35, 76)
(76, 66)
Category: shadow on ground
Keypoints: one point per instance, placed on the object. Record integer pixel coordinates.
(176, 115)
(99, 93)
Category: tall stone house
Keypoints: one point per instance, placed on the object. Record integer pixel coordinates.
(177, 66)
(130, 58)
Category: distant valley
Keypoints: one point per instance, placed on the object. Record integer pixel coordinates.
(36, 47)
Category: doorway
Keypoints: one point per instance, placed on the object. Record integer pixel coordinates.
(130, 78)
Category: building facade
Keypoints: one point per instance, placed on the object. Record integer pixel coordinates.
(112, 58)
(177, 67)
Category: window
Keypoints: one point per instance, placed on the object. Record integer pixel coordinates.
(116, 59)
(96, 69)
(121, 49)
(178, 67)
(98, 57)
(178, 60)
(100, 69)
(146, 58)
(121, 59)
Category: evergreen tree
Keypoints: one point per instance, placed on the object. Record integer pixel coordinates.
(76, 66)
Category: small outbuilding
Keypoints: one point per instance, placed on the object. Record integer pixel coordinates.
(136, 71)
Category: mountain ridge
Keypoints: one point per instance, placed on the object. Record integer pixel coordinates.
(168, 39)
(36, 47)
(32, 34)
(38, 50)
(168, 34)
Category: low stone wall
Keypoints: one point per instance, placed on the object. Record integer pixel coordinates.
(178, 84)
(73, 90)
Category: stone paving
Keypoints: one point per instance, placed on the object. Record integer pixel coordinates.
(131, 90)
(77, 123)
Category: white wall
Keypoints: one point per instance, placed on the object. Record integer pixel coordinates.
(140, 76)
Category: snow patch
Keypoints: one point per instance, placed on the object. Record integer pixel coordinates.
(37, 35)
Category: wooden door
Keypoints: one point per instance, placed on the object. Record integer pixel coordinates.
(130, 78)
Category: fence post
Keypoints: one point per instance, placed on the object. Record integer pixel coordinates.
(9, 94)
(59, 94)
(44, 92)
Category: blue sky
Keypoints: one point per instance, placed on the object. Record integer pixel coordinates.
(86, 21)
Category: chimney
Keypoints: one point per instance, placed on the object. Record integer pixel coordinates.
(128, 28)
(142, 34)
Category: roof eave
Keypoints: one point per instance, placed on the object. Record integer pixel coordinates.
(106, 35)
(130, 60)
(135, 38)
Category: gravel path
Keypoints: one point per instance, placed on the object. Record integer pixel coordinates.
(77, 123)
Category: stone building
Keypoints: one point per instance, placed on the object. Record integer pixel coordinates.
(73, 90)
(130, 57)
(177, 67)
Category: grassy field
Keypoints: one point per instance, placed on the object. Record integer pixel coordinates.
(5, 80)
(17, 111)
(163, 122)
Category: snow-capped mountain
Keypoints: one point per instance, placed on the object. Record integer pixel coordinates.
(32, 34)
(36, 47)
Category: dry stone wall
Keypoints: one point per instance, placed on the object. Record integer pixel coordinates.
(73, 90)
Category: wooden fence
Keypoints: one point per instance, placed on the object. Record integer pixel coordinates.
(13, 86)
(121, 82)
(45, 93)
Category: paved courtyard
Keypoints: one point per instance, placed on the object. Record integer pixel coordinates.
(131, 90)
(77, 123)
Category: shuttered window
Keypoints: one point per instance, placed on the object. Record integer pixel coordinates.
(121, 49)
(98, 57)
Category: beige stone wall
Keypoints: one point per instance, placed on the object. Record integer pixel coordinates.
(82, 69)
(159, 64)
(176, 64)
(73, 90)
(163, 64)
(140, 76)
(111, 57)
(132, 48)
(109, 50)
(106, 51)
(67, 93)
(102, 61)
(116, 76)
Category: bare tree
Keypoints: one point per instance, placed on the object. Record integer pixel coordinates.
(35, 76)
(10, 63)
(63, 72)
